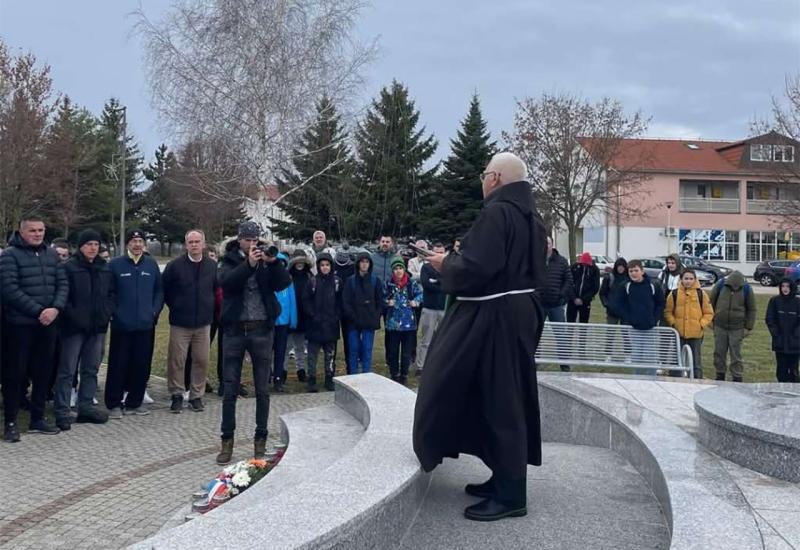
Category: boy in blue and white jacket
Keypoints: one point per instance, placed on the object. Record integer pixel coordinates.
(285, 322)
(402, 295)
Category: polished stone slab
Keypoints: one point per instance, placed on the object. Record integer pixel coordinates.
(581, 497)
(754, 425)
(688, 481)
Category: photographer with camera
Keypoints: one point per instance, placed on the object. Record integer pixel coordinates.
(250, 275)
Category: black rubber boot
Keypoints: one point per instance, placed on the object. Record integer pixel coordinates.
(508, 500)
(481, 490)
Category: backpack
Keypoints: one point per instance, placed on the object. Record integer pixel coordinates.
(628, 288)
(719, 286)
(675, 297)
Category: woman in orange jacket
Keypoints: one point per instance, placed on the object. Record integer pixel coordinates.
(689, 311)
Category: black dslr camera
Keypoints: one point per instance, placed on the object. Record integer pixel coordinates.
(271, 250)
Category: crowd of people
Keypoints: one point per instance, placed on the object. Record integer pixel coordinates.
(675, 299)
(273, 306)
(282, 306)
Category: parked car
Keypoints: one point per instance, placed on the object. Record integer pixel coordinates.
(654, 266)
(770, 272)
(695, 263)
(603, 263)
(793, 271)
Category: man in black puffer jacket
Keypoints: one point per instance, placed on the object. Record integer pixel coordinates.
(35, 290)
(557, 291)
(84, 324)
(249, 279)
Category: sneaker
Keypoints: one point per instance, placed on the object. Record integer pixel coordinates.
(301, 375)
(186, 396)
(73, 398)
(42, 427)
(92, 416)
(138, 411)
(278, 387)
(115, 413)
(63, 424)
(196, 404)
(11, 434)
(177, 404)
(147, 400)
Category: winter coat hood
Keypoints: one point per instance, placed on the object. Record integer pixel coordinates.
(283, 259)
(325, 256)
(678, 264)
(792, 288)
(735, 280)
(300, 257)
(620, 262)
(364, 256)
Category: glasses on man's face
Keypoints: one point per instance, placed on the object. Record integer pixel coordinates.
(484, 175)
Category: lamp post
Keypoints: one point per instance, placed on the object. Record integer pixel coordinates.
(669, 228)
(124, 157)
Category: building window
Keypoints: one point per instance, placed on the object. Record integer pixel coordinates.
(768, 245)
(783, 153)
(710, 244)
(760, 152)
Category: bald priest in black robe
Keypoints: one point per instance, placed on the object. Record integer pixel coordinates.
(478, 393)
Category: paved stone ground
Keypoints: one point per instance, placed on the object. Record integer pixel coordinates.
(582, 497)
(775, 503)
(112, 485)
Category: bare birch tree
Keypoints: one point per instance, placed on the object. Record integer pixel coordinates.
(247, 74)
(571, 147)
(786, 122)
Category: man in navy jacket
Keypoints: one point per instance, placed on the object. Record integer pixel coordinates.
(139, 299)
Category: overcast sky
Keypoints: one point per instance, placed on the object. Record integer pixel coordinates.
(699, 68)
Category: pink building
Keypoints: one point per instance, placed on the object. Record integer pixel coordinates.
(714, 200)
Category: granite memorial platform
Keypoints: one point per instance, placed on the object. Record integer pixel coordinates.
(754, 425)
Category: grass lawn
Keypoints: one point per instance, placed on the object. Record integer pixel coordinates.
(758, 357)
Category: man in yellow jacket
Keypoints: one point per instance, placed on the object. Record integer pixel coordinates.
(689, 311)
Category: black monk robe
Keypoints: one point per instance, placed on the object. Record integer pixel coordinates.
(478, 393)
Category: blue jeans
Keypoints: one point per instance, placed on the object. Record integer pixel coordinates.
(83, 349)
(557, 315)
(360, 343)
(643, 344)
(258, 343)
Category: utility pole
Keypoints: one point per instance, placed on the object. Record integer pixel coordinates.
(124, 157)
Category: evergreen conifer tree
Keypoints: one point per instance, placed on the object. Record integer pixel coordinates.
(319, 184)
(456, 198)
(392, 153)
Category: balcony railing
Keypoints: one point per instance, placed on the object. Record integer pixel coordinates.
(699, 204)
(756, 206)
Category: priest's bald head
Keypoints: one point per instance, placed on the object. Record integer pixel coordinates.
(504, 168)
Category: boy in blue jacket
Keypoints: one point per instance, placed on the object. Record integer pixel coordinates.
(139, 299)
(283, 324)
(640, 304)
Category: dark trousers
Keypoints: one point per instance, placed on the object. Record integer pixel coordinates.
(258, 343)
(279, 344)
(82, 350)
(30, 354)
(345, 327)
(130, 355)
(400, 345)
(578, 312)
(329, 356)
(786, 370)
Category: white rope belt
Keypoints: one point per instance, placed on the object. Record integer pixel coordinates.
(494, 296)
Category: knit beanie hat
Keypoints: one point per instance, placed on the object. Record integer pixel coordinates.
(88, 235)
(398, 262)
(133, 234)
(249, 230)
